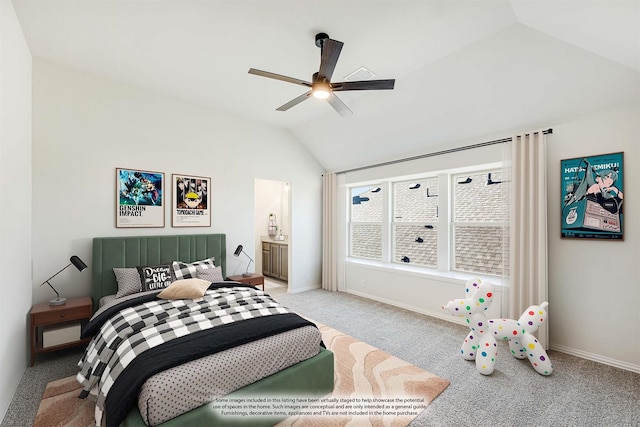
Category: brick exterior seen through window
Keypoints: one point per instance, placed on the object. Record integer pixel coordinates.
(366, 222)
(415, 205)
(479, 212)
(480, 198)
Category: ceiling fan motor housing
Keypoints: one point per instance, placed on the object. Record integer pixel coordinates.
(320, 38)
(315, 78)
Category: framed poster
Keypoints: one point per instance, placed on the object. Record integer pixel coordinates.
(592, 196)
(139, 198)
(191, 205)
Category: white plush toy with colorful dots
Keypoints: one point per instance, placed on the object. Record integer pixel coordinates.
(481, 345)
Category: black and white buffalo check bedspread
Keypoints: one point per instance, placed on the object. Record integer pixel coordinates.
(146, 335)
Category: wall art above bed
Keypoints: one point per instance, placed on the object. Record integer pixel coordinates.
(191, 206)
(139, 198)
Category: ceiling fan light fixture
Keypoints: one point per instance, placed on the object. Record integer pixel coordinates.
(321, 85)
(321, 90)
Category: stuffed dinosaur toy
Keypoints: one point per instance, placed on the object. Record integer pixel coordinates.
(481, 342)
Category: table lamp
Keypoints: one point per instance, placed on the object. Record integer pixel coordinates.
(79, 265)
(238, 251)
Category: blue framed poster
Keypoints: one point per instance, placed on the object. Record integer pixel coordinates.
(139, 198)
(592, 195)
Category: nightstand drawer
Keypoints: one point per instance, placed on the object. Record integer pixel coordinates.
(253, 281)
(71, 313)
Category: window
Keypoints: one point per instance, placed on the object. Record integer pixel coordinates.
(470, 238)
(365, 222)
(480, 222)
(415, 216)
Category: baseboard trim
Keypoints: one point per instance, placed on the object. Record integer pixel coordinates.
(437, 314)
(305, 289)
(447, 317)
(595, 357)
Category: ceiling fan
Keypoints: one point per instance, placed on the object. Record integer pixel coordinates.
(320, 85)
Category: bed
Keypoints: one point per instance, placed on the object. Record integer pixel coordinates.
(312, 377)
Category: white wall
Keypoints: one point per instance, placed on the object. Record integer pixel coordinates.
(594, 286)
(86, 126)
(411, 290)
(15, 202)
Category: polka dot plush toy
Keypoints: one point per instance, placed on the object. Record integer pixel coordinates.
(481, 342)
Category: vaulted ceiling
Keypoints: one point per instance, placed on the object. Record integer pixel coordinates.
(463, 69)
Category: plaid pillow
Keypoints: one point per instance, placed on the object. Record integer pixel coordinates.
(183, 270)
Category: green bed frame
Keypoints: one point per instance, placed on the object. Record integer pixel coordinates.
(132, 251)
(310, 378)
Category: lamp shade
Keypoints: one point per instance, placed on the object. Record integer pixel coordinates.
(238, 251)
(75, 260)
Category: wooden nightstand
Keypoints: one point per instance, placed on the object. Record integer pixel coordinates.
(253, 280)
(44, 316)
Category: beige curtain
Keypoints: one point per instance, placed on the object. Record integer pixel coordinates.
(528, 226)
(329, 232)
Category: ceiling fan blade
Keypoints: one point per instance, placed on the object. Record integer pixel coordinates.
(294, 102)
(278, 77)
(364, 85)
(339, 106)
(329, 58)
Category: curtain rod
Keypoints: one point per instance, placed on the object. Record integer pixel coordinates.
(438, 153)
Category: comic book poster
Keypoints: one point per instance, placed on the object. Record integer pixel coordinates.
(139, 198)
(191, 203)
(592, 197)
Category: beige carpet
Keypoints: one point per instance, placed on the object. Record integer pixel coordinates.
(372, 388)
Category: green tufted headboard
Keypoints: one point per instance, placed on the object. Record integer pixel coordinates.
(132, 251)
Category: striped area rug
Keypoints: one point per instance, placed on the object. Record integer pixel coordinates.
(372, 387)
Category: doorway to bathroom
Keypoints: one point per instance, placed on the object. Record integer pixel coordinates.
(272, 225)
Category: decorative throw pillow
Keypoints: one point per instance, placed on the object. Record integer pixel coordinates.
(211, 275)
(185, 289)
(155, 277)
(128, 281)
(183, 270)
